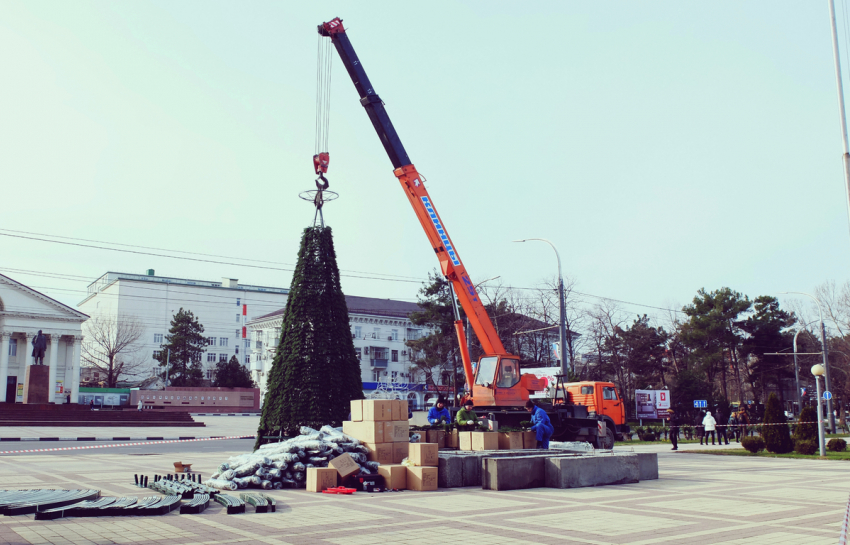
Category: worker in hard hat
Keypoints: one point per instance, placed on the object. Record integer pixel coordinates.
(466, 417)
(540, 424)
(439, 414)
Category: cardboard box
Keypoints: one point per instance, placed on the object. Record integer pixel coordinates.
(356, 410)
(378, 410)
(344, 464)
(396, 432)
(484, 440)
(452, 439)
(321, 478)
(529, 439)
(369, 432)
(380, 452)
(424, 454)
(464, 440)
(422, 478)
(420, 433)
(395, 475)
(438, 437)
(402, 410)
(510, 440)
(401, 451)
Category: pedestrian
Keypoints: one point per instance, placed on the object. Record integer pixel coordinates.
(674, 429)
(721, 429)
(734, 427)
(540, 424)
(710, 425)
(141, 405)
(698, 427)
(91, 404)
(69, 398)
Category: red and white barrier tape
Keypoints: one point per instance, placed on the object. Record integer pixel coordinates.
(842, 538)
(126, 444)
(746, 425)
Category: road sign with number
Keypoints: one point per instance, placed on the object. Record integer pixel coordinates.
(700, 404)
(827, 395)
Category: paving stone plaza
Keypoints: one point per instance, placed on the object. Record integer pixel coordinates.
(698, 499)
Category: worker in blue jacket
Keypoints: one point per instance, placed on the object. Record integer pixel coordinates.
(540, 424)
(439, 414)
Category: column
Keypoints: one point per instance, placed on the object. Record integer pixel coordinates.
(26, 358)
(4, 363)
(54, 363)
(75, 370)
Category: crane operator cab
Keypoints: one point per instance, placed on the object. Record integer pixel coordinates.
(498, 382)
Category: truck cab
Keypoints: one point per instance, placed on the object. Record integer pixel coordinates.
(601, 399)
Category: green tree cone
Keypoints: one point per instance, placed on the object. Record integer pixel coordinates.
(315, 372)
(777, 439)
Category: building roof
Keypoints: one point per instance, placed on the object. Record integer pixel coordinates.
(49, 300)
(366, 305)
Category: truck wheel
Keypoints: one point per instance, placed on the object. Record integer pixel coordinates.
(606, 442)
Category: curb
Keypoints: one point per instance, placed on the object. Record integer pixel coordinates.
(181, 438)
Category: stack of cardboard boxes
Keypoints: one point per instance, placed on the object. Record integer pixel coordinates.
(382, 426)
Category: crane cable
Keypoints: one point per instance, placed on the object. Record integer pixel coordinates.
(324, 64)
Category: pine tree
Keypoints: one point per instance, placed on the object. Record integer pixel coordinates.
(777, 439)
(807, 432)
(232, 374)
(315, 372)
(187, 344)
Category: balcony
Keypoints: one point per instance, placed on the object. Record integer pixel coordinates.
(379, 363)
(256, 365)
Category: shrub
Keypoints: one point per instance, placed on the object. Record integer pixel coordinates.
(776, 436)
(836, 445)
(807, 432)
(805, 446)
(753, 444)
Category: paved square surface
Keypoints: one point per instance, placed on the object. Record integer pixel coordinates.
(699, 499)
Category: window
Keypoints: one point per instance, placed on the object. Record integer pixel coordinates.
(376, 375)
(209, 374)
(508, 374)
(247, 359)
(587, 390)
(245, 342)
(238, 302)
(486, 371)
(237, 334)
(210, 358)
(222, 357)
(157, 354)
(211, 341)
(608, 393)
(237, 350)
(238, 318)
(222, 341)
(157, 338)
(358, 331)
(395, 334)
(359, 352)
(395, 356)
(414, 334)
(13, 347)
(377, 333)
(394, 375)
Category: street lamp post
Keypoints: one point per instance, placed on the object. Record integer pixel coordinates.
(830, 415)
(562, 330)
(817, 371)
(797, 374)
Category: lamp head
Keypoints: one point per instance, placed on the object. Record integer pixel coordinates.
(818, 370)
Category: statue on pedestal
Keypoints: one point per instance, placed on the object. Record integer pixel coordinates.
(39, 345)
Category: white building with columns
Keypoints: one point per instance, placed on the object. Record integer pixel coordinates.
(23, 312)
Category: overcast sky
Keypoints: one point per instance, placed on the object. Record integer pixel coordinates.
(662, 146)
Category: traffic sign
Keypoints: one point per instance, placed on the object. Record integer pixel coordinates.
(700, 404)
(827, 395)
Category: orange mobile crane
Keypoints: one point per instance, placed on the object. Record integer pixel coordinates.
(497, 385)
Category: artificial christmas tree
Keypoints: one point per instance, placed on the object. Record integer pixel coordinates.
(315, 373)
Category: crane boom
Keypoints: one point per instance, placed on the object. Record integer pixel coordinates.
(412, 183)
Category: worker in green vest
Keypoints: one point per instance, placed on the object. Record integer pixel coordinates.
(466, 417)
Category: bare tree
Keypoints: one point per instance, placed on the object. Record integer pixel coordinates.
(111, 346)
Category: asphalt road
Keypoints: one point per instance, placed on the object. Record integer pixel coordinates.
(130, 448)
